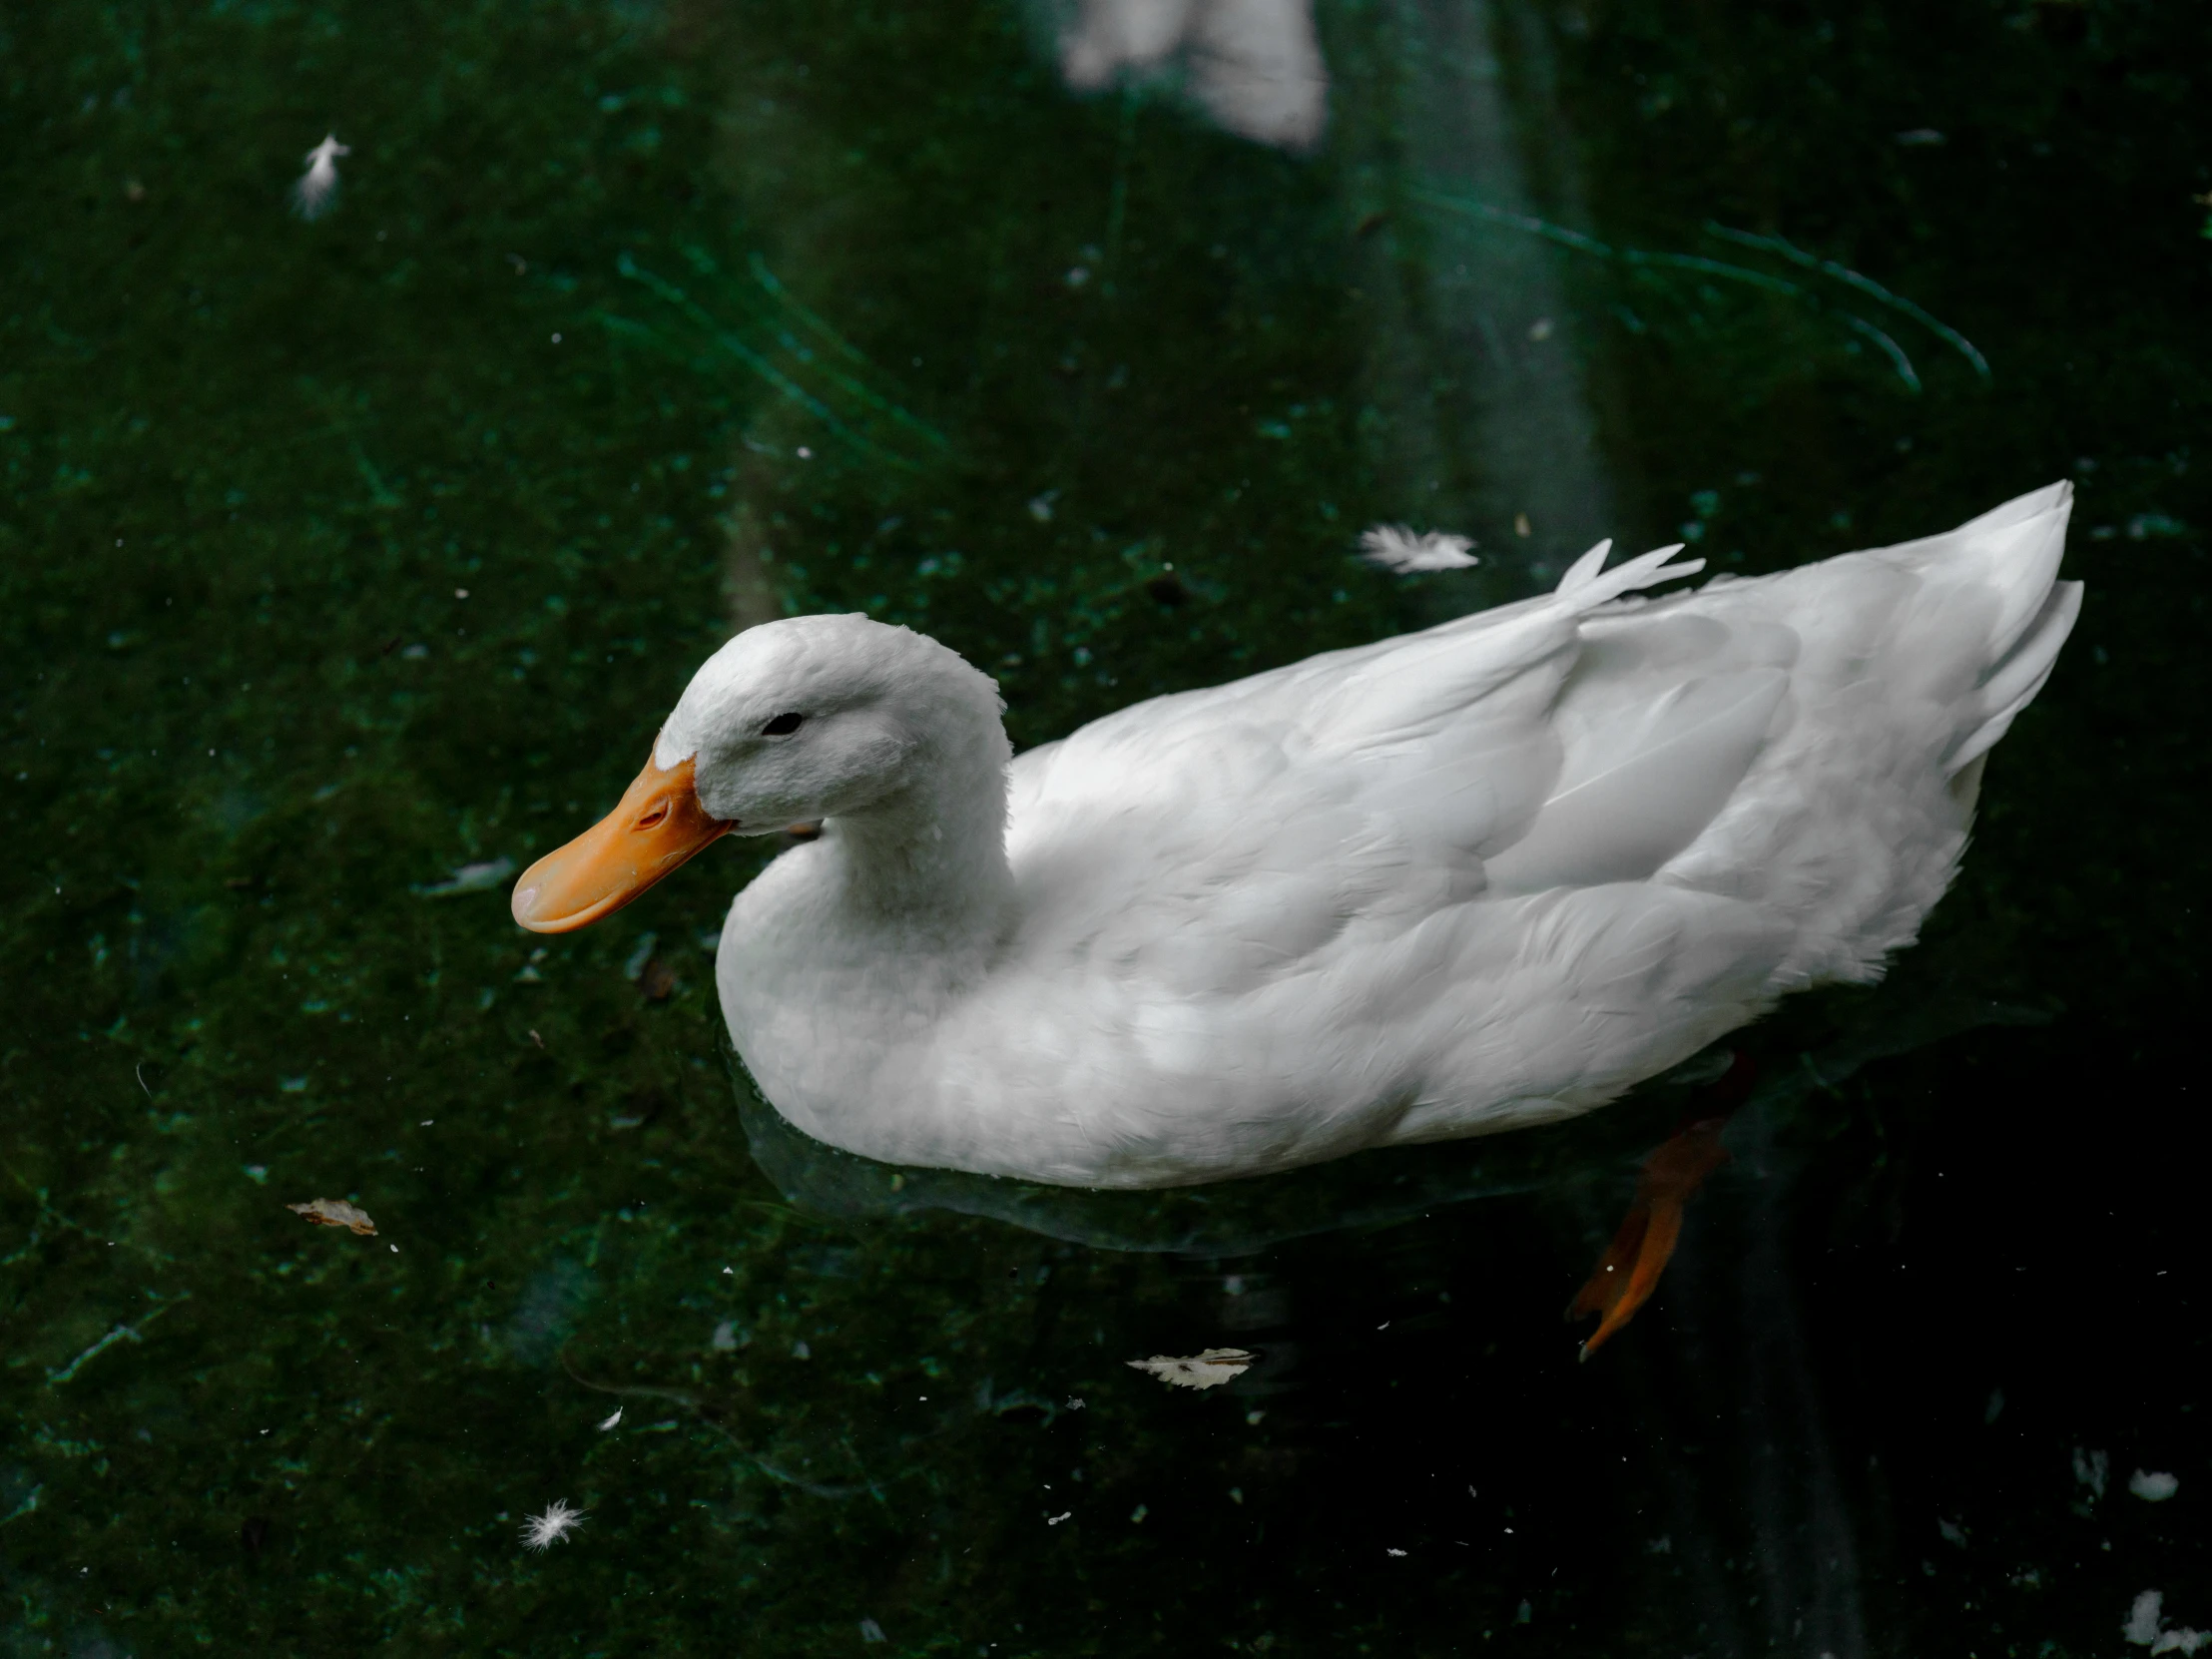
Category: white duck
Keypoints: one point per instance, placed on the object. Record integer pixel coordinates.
(1481, 876)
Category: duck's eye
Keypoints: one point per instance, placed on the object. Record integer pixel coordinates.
(782, 725)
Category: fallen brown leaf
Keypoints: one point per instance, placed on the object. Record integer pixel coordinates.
(335, 1212)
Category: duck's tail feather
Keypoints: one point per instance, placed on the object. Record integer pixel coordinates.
(1588, 584)
(2035, 503)
(2020, 556)
(2011, 555)
(2014, 683)
(2010, 558)
(2011, 551)
(1585, 568)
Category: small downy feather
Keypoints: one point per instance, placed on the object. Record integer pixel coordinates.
(558, 1521)
(317, 189)
(1395, 548)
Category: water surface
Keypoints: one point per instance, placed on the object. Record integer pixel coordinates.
(347, 563)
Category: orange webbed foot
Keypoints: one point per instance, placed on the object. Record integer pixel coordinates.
(1628, 1272)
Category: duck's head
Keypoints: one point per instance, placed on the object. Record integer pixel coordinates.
(793, 722)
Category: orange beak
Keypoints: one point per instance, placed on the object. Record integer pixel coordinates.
(659, 824)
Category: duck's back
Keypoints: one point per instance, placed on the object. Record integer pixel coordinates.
(1499, 870)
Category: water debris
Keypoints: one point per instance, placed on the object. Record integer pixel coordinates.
(2153, 1489)
(121, 1333)
(1921, 138)
(870, 1631)
(317, 189)
(335, 1212)
(468, 878)
(1201, 1371)
(1254, 65)
(2143, 1627)
(1055, 1520)
(558, 1521)
(1388, 1551)
(1395, 548)
(2142, 1619)
(2092, 1469)
(609, 1423)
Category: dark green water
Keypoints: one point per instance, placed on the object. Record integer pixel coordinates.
(338, 557)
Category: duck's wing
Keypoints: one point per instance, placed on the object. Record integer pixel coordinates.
(1658, 725)
(1497, 871)
(1214, 839)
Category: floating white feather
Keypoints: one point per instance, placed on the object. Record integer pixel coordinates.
(558, 1521)
(1395, 548)
(316, 191)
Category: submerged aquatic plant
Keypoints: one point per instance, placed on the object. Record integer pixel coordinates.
(1653, 264)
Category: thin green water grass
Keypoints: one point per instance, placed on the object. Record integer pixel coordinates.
(798, 362)
(1649, 264)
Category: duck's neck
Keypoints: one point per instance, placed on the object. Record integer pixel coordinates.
(927, 864)
(838, 962)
